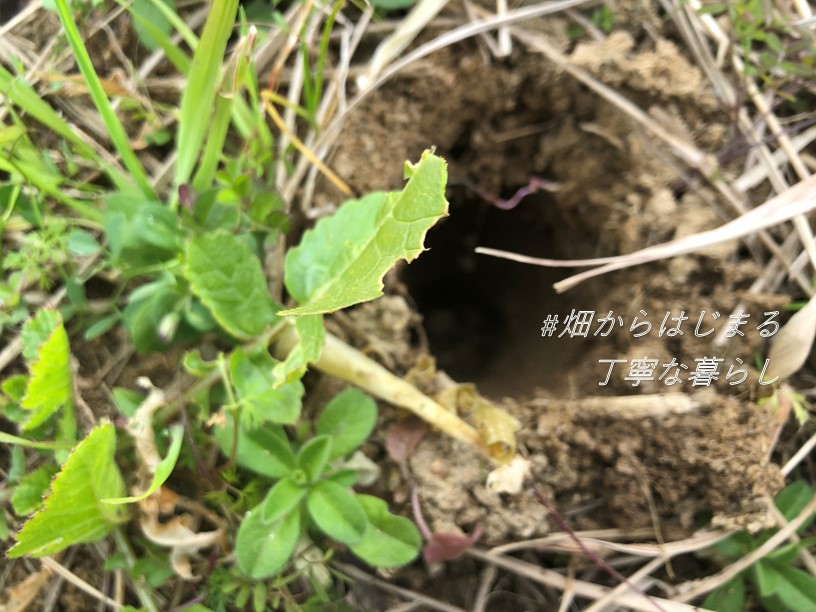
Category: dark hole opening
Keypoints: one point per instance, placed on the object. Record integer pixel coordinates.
(483, 315)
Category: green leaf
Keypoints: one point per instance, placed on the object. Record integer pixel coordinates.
(765, 577)
(349, 418)
(263, 548)
(74, 512)
(261, 402)
(311, 334)
(146, 12)
(730, 597)
(82, 243)
(227, 277)
(313, 456)
(37, 330)
(336, 512)
(265, 450)
(163, 469)
(29, 492)
(49, 386)
(793, 499)
(390, 540)
(127, 401)
(140, 231)
(795, 589)
(342, 260)
(281, 500)
(392, 5)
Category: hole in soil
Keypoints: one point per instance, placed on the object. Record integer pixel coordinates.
(483, 315)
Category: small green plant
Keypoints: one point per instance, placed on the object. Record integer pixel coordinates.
(190, 264)
(773, 580)
(771, 48)
(312, 494)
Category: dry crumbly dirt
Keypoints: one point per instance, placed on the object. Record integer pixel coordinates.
(498, 125)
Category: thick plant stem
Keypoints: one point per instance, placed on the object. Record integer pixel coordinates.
(347, 363)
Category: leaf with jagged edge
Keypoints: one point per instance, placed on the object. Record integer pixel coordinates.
(74, 512)
(227, 277)
(342, 261)
(49, 385)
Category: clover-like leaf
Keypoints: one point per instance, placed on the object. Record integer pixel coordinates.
(336, 512)
(261, 547)
(264, 450)
(313, 457)
(390, 540)
(349, 419)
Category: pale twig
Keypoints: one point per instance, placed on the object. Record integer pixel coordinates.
(78, 582)
(486, 581)
(636, 578)
(800, 455)
(582, 588)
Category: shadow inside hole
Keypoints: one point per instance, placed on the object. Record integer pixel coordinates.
(483, 315)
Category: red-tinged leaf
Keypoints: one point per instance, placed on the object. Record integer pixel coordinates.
(403, 436)
(449, 546)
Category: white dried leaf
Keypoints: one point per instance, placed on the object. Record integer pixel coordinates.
(509, 478)
(791, 345)
(177, 536)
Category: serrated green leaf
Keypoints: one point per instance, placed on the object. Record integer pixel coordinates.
(37, 330)
(311, 335)
(313, 457)
(74, 513)
(265, 450)
(227, 277)
(336, 511)
(49, 385)
(349, 418)
(261, 402)
(263, 548)
(281, 499)
(163, 469)
(29, 492)
(342, 260)
(390, 540)
(730, 597)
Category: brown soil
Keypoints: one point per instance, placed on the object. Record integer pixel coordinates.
(498, 126)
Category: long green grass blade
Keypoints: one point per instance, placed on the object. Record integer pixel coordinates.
(199, 95)
(112, 124)
(23, 95)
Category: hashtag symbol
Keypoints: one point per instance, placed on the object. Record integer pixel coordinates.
(550, 324)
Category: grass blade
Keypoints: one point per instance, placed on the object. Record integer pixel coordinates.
(201, 86)
(100, 99)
